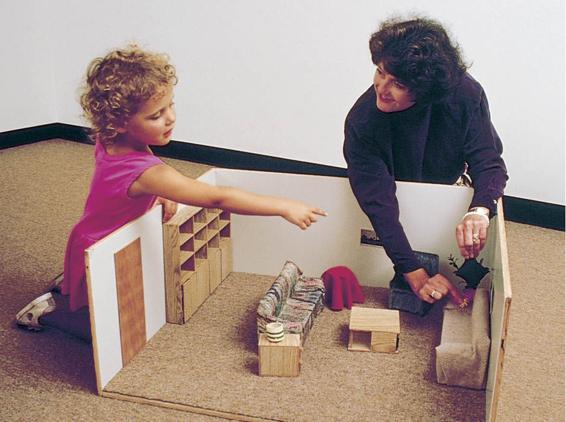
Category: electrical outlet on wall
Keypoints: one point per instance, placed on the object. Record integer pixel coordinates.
(369, 237)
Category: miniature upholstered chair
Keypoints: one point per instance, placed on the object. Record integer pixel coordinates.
(402, 298)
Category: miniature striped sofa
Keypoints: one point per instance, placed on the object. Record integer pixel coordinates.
(294, 300)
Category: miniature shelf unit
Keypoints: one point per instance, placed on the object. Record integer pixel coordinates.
(198, 257)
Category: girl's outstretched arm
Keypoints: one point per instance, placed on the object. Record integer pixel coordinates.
(166, 182)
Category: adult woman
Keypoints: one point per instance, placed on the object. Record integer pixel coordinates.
(425, 119)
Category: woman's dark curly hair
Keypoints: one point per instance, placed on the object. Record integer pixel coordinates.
(420, 54)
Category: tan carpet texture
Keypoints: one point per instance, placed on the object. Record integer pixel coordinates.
(211, 363)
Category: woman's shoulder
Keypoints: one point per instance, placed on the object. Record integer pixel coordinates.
(467, 95)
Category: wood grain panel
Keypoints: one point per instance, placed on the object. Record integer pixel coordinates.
(131, 311)
(215, 263)
(500, 308)
(171, 256)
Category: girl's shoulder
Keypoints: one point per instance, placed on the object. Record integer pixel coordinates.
(130, 158)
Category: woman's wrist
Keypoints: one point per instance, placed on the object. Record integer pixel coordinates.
(416, 279)
(482, 211)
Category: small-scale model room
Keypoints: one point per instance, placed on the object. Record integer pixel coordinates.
(295, 211)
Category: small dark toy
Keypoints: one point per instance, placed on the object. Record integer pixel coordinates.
(471, 271)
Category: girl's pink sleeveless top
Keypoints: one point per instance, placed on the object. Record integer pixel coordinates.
(107, 208)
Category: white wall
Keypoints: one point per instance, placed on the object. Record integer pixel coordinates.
(262, 245)
(278, 78)
(27, 91)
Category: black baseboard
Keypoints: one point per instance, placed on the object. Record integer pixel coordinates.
(535, 213)
(30, 135)
(519, 210)
(226, 158)
(74, 133)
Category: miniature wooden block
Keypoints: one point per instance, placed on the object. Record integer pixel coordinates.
(384, 342)
(375, 330)
(171, 258)
(191, 300)
(203, 280)
(282, 359)
(215, 263)
(227, 261)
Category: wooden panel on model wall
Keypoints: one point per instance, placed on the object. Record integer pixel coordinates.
(131, 312)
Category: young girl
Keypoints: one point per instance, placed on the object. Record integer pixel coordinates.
(128, 99)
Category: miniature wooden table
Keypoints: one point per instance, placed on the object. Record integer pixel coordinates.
(374, 330)
(282, 359)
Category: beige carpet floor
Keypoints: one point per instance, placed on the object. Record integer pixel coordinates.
(211, 362)
(50, 376)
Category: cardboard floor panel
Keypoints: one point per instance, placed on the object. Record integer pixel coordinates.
(204, 363)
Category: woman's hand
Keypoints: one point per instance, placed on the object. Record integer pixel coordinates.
(169, 208)
(301, 214)
(432, 289)
(471, 233)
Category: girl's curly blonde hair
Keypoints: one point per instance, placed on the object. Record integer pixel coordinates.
(118, 84)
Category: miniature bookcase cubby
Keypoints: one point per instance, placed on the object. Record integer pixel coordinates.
(198, 256)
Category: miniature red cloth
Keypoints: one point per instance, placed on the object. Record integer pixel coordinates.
(342, 288)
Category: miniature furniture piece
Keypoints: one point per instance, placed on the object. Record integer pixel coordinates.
(462, 356)
(374, 330)
(293, 300)
(198, 257)
(280, 359)
(401, 296)
(342, 288)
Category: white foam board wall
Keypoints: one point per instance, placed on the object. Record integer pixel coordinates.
(102, 286)
(429, 214)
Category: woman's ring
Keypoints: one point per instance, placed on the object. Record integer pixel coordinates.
(435, 294)
(476, 238)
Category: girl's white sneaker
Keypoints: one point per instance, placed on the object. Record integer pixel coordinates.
(29, 316)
